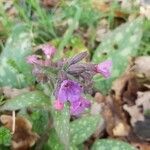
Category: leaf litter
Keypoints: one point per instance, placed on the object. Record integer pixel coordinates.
(126, 109)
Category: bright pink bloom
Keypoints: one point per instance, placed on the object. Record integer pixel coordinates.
(58, 105)
(32, 59)
(48, 50)
(104, 68)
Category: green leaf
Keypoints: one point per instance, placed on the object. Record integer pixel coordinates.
(61, 124)
(53, 142)
(118, 46)
(30, 99)
(111, 145)
(39, 119)
(15, 72)
(81, 129)
(5, 136)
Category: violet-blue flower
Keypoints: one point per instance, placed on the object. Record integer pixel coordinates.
(78, 107)
(69, 91)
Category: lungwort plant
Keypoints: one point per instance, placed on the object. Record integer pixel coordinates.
(66, 84)
(69, 79)
(69, 82)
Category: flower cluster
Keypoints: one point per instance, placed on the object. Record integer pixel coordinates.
(70, 79)
(48, 51)
(71, 91)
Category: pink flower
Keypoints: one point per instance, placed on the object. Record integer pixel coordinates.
(58, 105)
(104, 68)
(48, 50)
(32, 59)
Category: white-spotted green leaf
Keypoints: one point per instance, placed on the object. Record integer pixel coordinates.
(14, 71)
(118, 46)
(31, 99)
(111, 145)
(53, 142)
(61, 124)
(81, 129)
(40, 120)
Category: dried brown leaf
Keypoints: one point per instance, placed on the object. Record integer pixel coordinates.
(99, 98)
(23, 137)
(134, 113)
(49, 3)
(125, 88)
(142, 146)
(144, 100)
(141, 66)
(120, 130)
(114, 117)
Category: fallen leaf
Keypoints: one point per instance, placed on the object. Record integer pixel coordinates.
(145, 9)
(120, 130)
(101, 5)
(141, 66)
(141, 146)
(114, 118)
(134, 113)
(142, 129)
(125, 88)
(49, 3)
(23, 137)
(99, 98)
(144, 100)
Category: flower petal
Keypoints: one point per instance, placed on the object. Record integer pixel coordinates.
(78, 107)
(104, 68)
(69, 90)
(48, 50)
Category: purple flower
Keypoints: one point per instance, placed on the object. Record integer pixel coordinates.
(69, 91)
(104, 68)
(48, 50)
(79, 106)
(32, 59)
